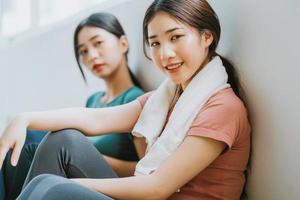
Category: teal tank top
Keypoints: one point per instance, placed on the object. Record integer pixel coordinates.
(117, 145)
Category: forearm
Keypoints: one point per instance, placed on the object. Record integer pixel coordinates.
(78, 118)
(137, 187)
(91, 121)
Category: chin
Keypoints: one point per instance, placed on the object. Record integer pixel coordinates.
(98, 75)
(102, 75)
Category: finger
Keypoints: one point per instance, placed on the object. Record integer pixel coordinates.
(3, 152)
(16, 154)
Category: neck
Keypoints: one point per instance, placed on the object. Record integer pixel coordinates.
(205, 62)
(118, 82)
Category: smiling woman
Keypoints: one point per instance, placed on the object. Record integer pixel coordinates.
(193, 125)
(178, 50)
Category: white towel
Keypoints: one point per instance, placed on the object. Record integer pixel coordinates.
(162, 143)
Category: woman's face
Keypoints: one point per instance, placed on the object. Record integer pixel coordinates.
(176, 48)
(101, 51)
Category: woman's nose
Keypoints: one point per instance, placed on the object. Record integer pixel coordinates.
(166, 52)
(93, 54)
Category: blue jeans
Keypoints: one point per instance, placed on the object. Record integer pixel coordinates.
(2, 191)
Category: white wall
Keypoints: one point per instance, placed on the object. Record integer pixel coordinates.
(39, 71)
(260, 37)
(262, 40)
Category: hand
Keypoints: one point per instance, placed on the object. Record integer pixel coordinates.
(13, 138)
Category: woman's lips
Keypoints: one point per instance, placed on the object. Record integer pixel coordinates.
(173, 68)
(98, 67)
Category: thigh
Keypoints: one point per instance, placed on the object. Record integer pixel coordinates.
(69, 154)
(51, 187)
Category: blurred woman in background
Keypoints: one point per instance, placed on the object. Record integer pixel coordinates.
(101, 45)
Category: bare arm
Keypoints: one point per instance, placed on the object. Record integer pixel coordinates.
(90, 121)
(162, 183)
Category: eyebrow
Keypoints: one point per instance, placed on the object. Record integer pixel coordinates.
(166, 32)
(80, 45)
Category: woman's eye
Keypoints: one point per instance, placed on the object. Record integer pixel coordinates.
(154, 44)
(175, 37)
(83, 52)
(98, 43)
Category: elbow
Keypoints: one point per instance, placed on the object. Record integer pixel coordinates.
(160, 194)
(159, 191)
(155, 194)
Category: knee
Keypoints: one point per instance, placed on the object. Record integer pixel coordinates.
(41, 177)
(67, 134)
(67, 137)
(47, 180)
(39, 186)
(36, 181)
(67, 140)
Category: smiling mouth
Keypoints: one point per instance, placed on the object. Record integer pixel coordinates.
(173, 67)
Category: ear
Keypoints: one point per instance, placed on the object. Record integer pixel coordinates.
(124, 43)
(207, 38)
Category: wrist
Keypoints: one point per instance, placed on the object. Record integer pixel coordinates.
(22, 118)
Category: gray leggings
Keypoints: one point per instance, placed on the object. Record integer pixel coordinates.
(52, 187)
(69, 154)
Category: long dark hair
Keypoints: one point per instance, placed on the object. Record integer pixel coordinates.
(107, 22)
(200, 15)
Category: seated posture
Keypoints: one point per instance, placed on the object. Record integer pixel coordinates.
(192, 133)
(101, 45)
